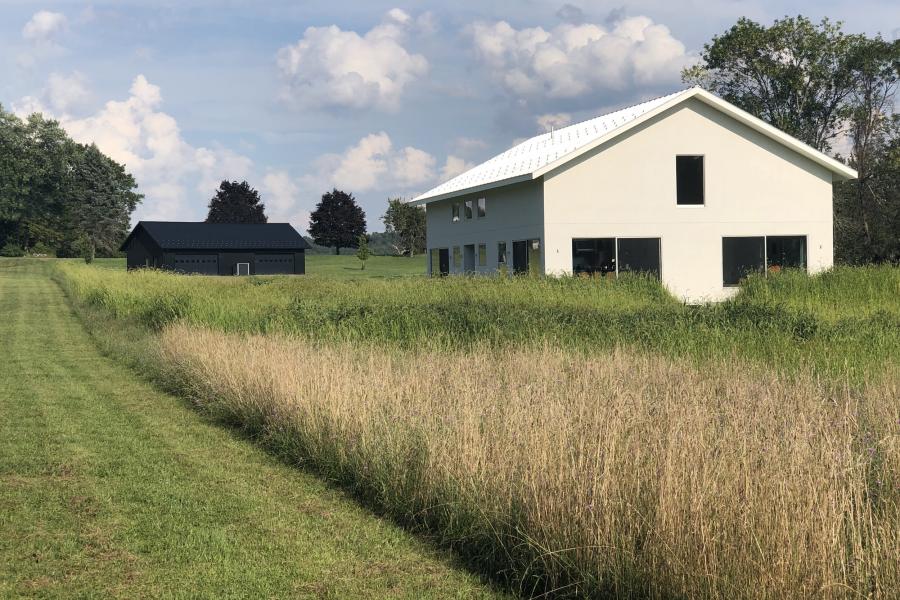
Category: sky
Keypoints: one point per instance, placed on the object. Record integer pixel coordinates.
(379, 99)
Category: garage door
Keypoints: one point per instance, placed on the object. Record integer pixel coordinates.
(272, 264)
(204, 264)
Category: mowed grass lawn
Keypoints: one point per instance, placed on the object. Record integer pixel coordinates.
(342, 266)
(109, 487)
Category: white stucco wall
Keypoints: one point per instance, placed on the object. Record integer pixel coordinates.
(753, 186)
(513, 213)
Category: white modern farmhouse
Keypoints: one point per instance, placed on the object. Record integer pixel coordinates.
(687, 187)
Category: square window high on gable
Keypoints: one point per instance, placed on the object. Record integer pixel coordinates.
(689, 180)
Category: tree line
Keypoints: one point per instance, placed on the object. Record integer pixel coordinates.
(59, 197)
(337, 221)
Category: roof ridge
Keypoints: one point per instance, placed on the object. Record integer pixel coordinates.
(543, 148)
(538, 154)
(618, 110)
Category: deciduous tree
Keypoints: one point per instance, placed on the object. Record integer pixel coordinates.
(102, 199)
(408, 222)
(55, 192)
(795, 74)
(236, 203)
(337, 221)
(362, 251)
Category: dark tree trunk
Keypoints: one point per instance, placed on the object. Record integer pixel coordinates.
(337, 250)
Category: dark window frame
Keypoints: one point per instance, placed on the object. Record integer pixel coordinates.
(678, 199)
(726, 281)
(766, 262)
(615, 253)
(804, 262)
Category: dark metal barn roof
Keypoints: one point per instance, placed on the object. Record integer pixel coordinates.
(172, 235)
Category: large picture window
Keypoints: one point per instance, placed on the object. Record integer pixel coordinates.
(689, 180)
(526, 256)
(595, 255)
(742, 256)
(785, 252)
(616, 255)
(638, 255)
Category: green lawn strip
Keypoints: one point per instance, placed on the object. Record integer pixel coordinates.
(110, 487)
(348, 266)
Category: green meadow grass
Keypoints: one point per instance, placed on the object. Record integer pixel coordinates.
(343, 266)
(110, 488)
(845, 322)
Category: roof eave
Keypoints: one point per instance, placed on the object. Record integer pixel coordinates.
(474, 189)
(842, 171)
(837, 168)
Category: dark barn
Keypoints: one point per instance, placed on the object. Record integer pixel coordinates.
(217, 248)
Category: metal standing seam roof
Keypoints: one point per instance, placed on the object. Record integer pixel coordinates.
(531, 158)
(543, 149)
(172, 235)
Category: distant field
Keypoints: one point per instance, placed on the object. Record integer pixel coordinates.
(345, 265)
(580, 437)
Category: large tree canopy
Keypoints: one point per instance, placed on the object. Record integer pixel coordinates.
(823, 86)
(337, 221)
(408, 223)
(59, 194)
(867, 210)
(236, 203)
(795, 74)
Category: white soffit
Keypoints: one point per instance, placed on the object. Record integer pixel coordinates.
(538, 155)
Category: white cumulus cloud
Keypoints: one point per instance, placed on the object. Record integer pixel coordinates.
(62, 95)
(176, 178)
(332, 68)
(41, 33)
(282, 197)
(578, 59)
(454, 166)
(43, 25)
(374, 164)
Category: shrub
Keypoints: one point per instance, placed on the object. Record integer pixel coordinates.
(41, 249)
(12, 250)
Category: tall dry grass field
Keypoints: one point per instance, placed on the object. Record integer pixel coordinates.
(622, 474)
